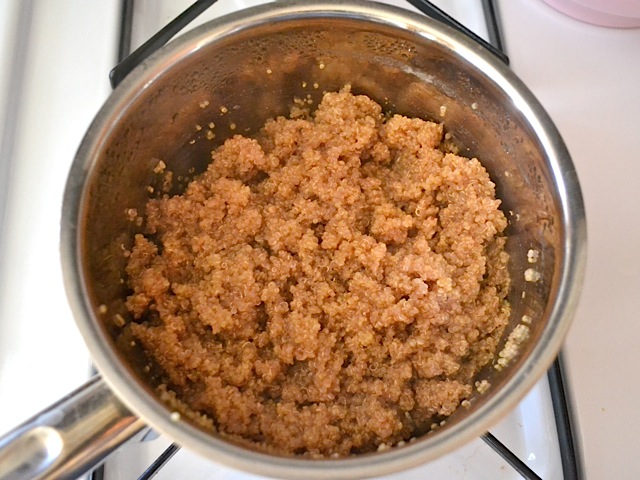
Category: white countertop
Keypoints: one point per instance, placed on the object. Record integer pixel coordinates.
(588, 79)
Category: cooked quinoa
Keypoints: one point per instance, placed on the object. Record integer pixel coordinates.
(329, 287)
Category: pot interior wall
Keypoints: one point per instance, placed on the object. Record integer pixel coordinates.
(248, 76)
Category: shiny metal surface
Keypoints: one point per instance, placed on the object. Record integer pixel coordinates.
(411, 65)
(70, 437)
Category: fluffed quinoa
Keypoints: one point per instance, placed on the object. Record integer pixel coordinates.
(329, 287)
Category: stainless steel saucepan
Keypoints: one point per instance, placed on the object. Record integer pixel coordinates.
(411, 65)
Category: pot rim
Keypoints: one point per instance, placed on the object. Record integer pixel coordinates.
(145, 405)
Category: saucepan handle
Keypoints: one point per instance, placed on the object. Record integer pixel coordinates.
(70, 437)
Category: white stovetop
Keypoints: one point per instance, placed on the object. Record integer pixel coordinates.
(585, 76)
(588, 79)
(42, 357)
(54, 61)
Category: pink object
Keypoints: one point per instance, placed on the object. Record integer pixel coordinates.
(607, 13)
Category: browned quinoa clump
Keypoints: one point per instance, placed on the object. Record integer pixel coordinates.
(328, 287)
